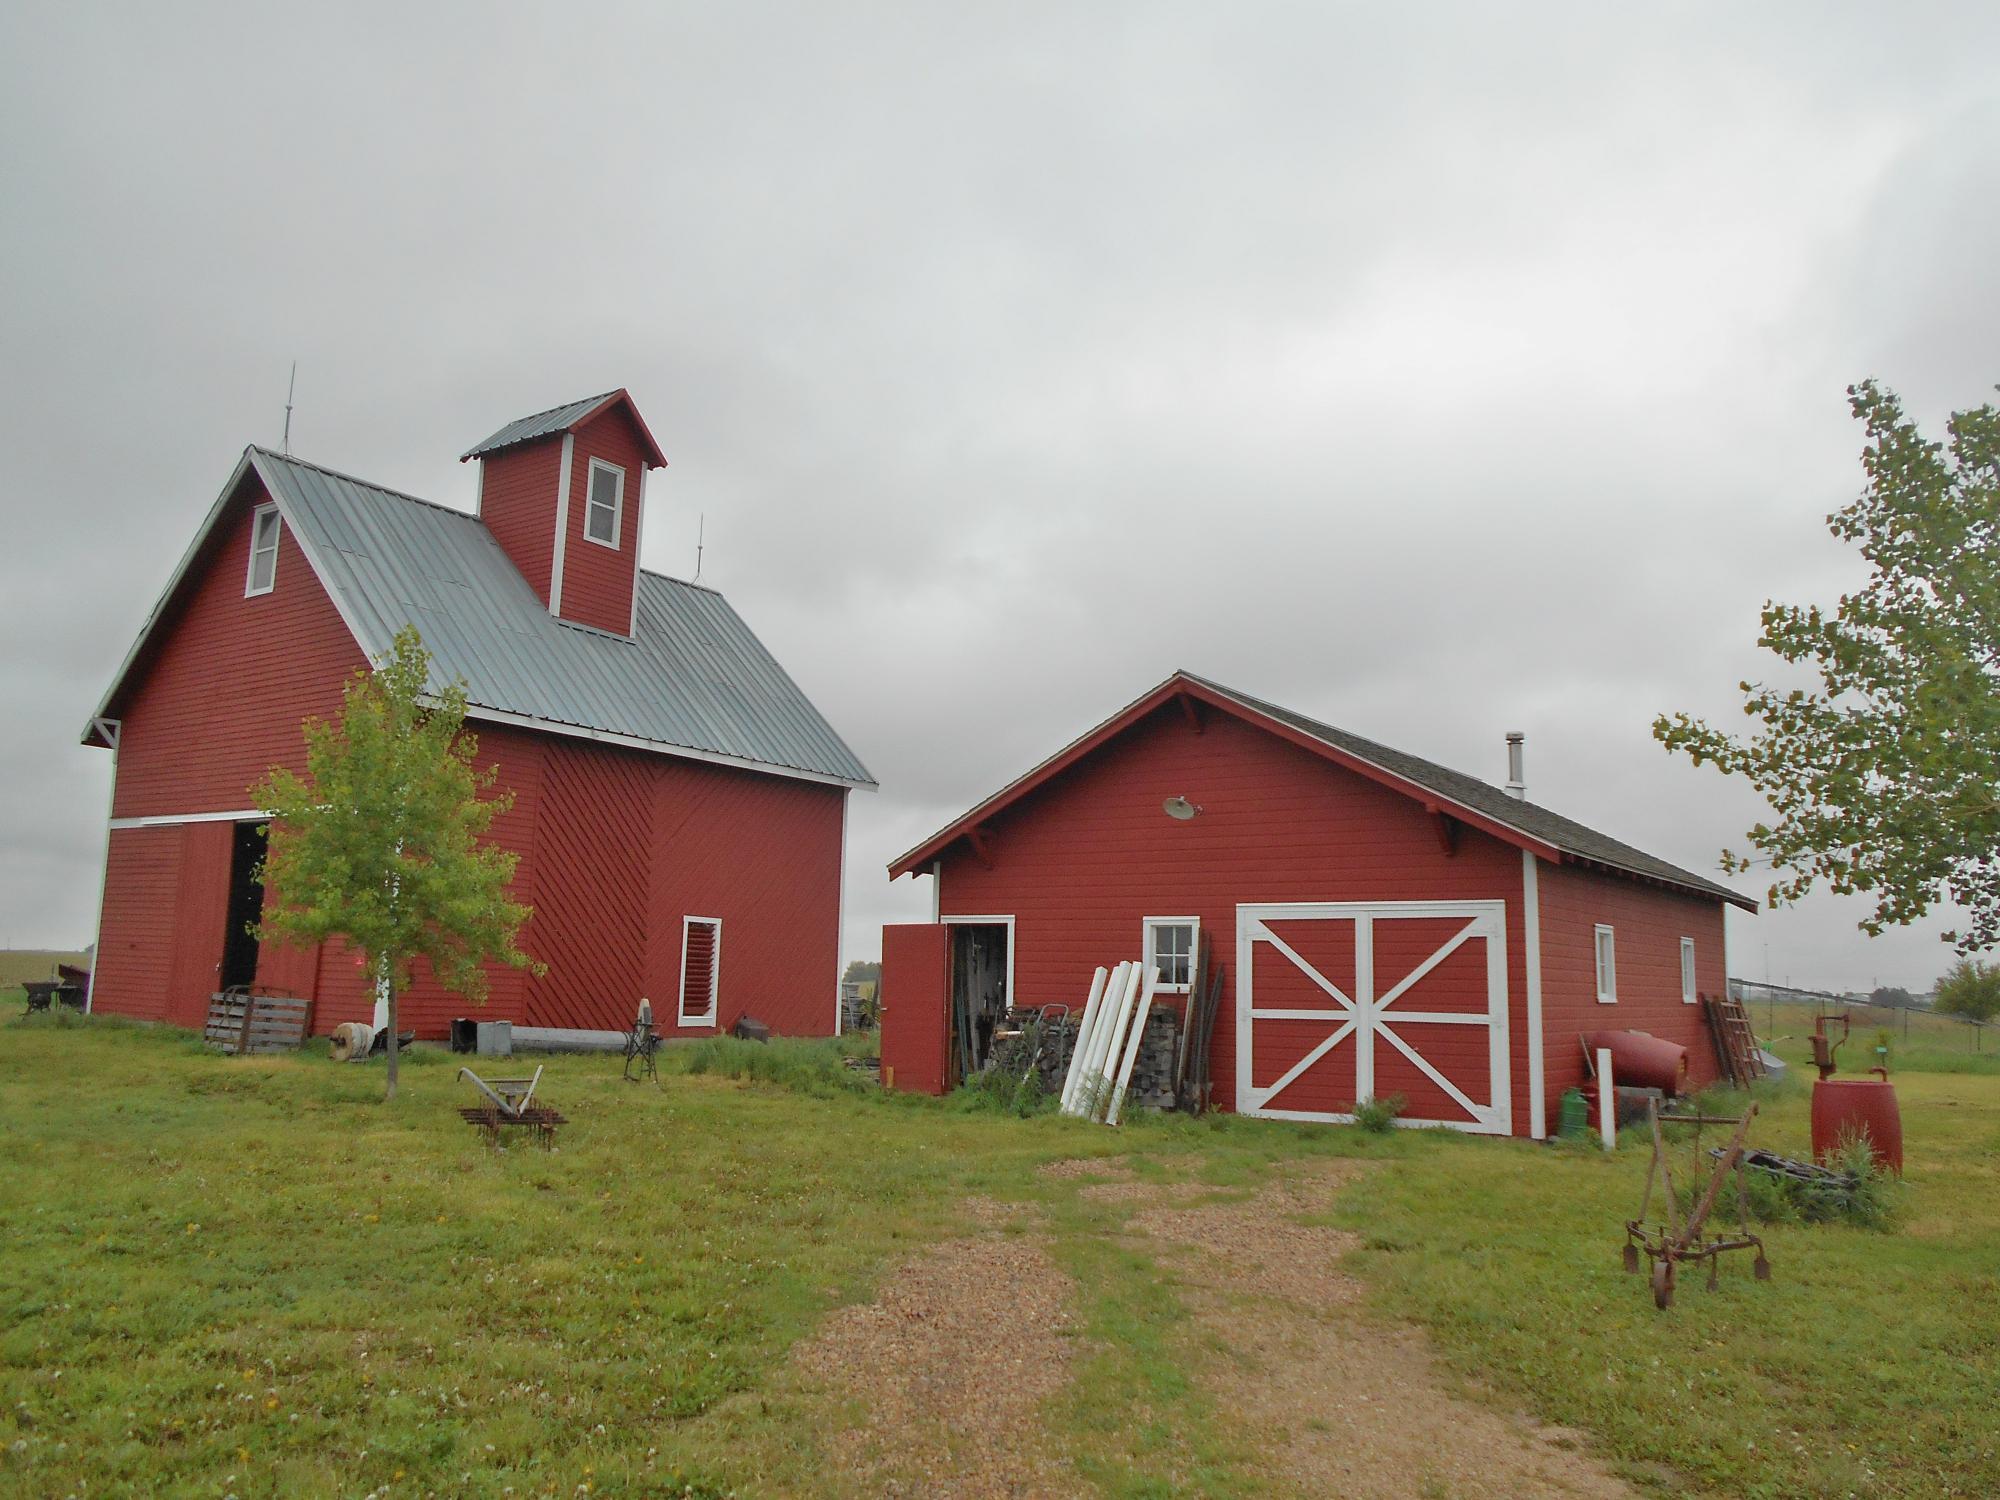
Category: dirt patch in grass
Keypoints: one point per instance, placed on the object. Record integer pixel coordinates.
(1117, 1168)
(1340, 1402)
(949, 1365)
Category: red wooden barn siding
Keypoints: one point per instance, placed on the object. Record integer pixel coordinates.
(597, 581)
(1085, 858)
(517, 501)
(342, 991)
(136, 939)
(630, 844)
(227, 680)
(763, 854)
(1648, 924)
(219, 698)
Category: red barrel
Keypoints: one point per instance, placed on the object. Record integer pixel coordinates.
(1640, 1061)
(1843, 1106)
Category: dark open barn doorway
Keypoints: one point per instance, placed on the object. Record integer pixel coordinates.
(979, 997)
(246, 905)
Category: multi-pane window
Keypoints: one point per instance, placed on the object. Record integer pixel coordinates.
(701, 969)
(1170, 948)
(606, 500)
(263, 575)
(1687, 970)
(1607, 965)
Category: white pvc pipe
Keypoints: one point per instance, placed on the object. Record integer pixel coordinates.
(1107, 1066)
(1088, 1042)
(1082, 1030)
(1607, 1101)
(1135, 1037)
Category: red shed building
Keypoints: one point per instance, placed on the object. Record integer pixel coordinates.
(1388, 926)
(680, 807)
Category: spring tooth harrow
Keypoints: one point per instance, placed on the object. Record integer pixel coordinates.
(1677, 1241)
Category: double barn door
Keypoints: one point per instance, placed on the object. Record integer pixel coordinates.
(1338, 1002)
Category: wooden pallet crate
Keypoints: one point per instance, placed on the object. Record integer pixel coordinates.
(240, 1021)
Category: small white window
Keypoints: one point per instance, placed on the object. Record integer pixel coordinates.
(603, 510)
(263, 575)
(701, 969)
(1607, 966)
(1170, 948)
(1687, 971)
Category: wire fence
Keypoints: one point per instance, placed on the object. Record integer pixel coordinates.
(1913, 1033)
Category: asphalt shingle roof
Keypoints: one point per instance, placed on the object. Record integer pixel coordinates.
(692, 678)
(1537, 822)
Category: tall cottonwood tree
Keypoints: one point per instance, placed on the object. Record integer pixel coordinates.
(381, 841)
(1883, 777)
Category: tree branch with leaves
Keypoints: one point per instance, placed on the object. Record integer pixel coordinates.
(382, 841)
(1883, 776)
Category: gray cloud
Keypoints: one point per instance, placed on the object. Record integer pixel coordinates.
(1439, 372)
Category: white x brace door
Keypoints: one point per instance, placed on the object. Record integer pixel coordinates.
(1342, 1001)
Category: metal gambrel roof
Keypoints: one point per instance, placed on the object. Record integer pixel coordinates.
(693, 679)
(560, 419)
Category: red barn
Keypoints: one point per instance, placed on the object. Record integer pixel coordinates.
(1389, 926)
(680, 807)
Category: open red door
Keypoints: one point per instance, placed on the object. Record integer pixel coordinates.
(916, 1006)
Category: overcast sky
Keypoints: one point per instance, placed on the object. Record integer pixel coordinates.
(1437, 371)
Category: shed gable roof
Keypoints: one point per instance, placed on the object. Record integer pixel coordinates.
(1480, 804)
(692, 681)
(567, 418)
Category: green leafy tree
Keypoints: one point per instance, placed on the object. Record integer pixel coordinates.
(1891, 997)
(1971, 989)
(861, 970)
(1882, 776)
(380, 841)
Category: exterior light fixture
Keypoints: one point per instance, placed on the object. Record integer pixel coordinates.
(1179, 809)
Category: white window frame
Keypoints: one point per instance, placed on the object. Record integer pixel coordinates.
(714, 974)
(617, 502)
(1150, 925)
(1687, 971)
(268, 508)
(1604, 952)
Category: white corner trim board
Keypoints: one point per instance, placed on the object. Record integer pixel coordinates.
(1531, 940)
(562, 525)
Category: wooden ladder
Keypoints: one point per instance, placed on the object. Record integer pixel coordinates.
(1735, 1042)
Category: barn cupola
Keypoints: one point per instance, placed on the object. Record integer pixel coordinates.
(564, 494)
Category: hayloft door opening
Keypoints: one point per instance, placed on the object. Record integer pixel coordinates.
(982, 988)
(245, 906)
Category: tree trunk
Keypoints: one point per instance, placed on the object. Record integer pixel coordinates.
(391, 989)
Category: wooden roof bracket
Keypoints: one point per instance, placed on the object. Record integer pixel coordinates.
(1445, 826)
(981, 851)
(1191, 710)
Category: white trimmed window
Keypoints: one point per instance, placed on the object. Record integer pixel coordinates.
(604, 506)
(1607, 966)
(1170, 947)
(263, 574)
(701, 969)
(1687, 971)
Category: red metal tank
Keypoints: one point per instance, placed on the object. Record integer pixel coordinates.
(1845, 1105)
(1640, 1061)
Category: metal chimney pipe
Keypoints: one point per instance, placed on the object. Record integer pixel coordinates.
(1516, 787)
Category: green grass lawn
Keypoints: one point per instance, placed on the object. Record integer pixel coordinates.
(252, 1276)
